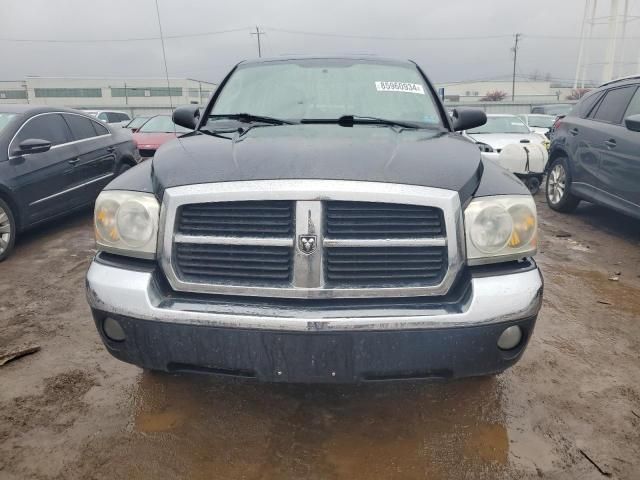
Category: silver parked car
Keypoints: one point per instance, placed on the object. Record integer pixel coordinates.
(499, 131)
(538, 123)
(112, 117)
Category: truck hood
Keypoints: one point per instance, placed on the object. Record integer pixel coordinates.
(498, 141)
(368, 153)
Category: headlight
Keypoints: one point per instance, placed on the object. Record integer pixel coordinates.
(484, 147)
(500, 228)
(127, 223)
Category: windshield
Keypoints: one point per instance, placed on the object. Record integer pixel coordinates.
(137, 122)
(329, 89)
(541, 121)
(505, 124)
(162, 123)
(5, 118)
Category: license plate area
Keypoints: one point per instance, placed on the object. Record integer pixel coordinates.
(310, 357)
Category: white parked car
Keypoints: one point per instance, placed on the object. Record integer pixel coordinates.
(112, 117)
(506, 140)
(538, 123)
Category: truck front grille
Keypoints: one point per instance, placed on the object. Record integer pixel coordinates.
(245, 264)
(277, 239)
(380, 266)
(238, 219)
(382, 220)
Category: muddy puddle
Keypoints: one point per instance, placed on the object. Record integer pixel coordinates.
(229, 429)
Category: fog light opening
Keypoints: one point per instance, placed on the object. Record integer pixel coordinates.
(113, 330)
(510, 338)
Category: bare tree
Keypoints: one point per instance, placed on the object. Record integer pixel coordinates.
(494, 96)
(577, 93)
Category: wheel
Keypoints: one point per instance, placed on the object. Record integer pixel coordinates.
(558, 195)
(533, 184)
(7, 230)
(123, 168)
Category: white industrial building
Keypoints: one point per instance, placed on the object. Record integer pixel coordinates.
(526, 92)
(136, 95)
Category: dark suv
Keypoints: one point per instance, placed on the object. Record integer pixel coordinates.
(595, 151)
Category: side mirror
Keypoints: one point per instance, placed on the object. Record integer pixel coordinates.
(187, 116)
(32, 145)
(632, 122)
(468, 118)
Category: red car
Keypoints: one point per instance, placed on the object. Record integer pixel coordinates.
(156, 131)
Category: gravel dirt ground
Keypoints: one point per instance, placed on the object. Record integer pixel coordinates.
(569, 409)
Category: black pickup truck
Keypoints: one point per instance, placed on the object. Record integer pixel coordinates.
(324, 222)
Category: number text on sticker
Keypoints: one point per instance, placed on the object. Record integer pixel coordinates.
(399, 87)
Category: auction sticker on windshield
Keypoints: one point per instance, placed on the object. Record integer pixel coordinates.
(399, 87)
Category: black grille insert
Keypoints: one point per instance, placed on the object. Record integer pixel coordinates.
(385, 266)
(237, 219)
(382, 220)
(237, 264)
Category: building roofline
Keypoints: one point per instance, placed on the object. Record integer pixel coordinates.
(37, 77)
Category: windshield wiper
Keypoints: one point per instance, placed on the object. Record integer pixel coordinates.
(351, 120)
(250, 118)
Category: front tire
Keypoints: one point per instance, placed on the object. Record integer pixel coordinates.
(533, 184)
(7, 230)
(558, 187)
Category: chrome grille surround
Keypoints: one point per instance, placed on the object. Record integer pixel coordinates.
(308, 278)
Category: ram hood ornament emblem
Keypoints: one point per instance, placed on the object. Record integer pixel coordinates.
(307, 243)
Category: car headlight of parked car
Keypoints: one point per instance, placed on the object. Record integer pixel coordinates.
(500, 228)
(127, 223)
(484, 147)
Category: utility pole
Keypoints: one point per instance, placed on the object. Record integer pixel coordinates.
(515, 60)
(126, 95)
(257, 33)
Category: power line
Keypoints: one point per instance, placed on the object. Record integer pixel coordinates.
(115, 40)
(463, 37)
(376, 37)
(164, 57)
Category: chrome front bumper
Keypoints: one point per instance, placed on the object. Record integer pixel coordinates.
(137, 295)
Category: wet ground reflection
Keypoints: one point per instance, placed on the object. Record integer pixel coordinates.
(204, 427)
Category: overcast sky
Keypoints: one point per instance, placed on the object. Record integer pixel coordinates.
(410, 28)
